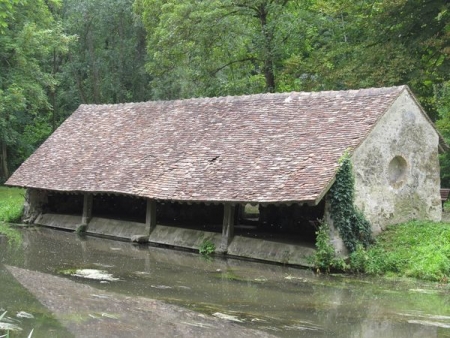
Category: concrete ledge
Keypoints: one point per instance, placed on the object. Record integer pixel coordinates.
(270, 251)
(115, 228)
(183, 238)
(67, 222)
(254, 248)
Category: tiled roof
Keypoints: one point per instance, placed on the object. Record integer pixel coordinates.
(256, 148)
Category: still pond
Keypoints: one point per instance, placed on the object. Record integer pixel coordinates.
(61, 285)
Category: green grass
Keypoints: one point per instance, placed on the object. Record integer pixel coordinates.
(11, 204)
(418, 249)
(11, 208)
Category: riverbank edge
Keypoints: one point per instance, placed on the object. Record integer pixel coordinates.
(417, 249)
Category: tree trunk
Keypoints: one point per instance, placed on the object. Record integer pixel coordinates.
(53, 92)
(5, 161)
(268, 66)
(79, 81)
(95, 72)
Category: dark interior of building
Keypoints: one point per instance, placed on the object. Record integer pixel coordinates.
(277, 222)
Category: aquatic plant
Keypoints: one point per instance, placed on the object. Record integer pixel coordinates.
(207, 248)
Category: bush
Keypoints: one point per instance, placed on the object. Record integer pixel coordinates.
(325, 258)
(358, 259)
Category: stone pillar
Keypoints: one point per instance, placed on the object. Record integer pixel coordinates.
(35, 202)
(227, 227)
(150, 217)
(87, 208)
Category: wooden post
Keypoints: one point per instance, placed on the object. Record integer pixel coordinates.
(227, 227)
(150, 217)
(87, 209)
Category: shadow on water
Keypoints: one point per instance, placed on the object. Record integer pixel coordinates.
(268, 299)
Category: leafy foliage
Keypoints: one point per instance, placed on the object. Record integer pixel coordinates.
(442, 98)
(380, 43)
(106, 64)
(325, 258)
(351, 223)
(29, 34)
(207, 248)
(242, 54)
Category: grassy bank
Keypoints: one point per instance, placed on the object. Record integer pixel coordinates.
(11, 204)
(418, 249)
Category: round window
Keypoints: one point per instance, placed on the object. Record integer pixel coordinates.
(397, 171)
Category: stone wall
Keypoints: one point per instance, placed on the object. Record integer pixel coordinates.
(397, 168)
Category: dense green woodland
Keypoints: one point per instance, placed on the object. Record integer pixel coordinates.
(58, 54)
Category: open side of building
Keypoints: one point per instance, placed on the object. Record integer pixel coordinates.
(249, 174)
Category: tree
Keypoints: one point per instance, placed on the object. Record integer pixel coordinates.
(384, 43)
(28, 34)
(422, 28)
(221, 47)
(106, 64)
(7, 8)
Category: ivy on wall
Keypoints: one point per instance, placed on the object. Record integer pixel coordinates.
(351, 223)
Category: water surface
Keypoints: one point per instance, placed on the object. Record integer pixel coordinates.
(276, 300)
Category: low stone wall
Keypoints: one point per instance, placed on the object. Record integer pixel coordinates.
(240, 246)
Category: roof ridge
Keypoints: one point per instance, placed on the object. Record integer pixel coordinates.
(328, 93)
(371, 91)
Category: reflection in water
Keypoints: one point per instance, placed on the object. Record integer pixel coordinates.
(283, 301)
(11, 235)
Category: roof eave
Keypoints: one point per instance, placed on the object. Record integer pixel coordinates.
(311, 202)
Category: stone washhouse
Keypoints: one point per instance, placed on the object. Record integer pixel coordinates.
(249, 174)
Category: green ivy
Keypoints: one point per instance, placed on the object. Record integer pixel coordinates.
(353, 227)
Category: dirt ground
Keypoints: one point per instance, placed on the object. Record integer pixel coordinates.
(89, 312)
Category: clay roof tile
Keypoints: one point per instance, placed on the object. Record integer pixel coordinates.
(261, 148)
